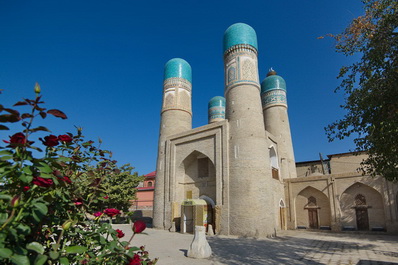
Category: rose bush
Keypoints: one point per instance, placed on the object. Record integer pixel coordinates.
(46, 217)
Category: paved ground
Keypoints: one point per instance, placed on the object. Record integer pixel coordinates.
(290, 247)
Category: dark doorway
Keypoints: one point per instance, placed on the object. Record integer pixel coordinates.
(362, 218)
(361, 211)
(313, 218)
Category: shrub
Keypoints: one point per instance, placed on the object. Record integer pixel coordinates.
(51, 196)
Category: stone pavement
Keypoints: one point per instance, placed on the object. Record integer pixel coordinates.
(290, 247)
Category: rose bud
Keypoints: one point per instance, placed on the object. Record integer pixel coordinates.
(138, 226)
(37, 88)
(67, 224)
(15, 201)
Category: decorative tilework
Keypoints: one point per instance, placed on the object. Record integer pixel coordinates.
(231, 74)
(274, 97)
(239, 33)
(273, 82)
(216, 109)
(245, 58)
(248, 70)
(177, 94)
(178, 67)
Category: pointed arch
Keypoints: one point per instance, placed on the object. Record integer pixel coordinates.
(312, 208)
(282, 203)
(196, 175)
(362, 207)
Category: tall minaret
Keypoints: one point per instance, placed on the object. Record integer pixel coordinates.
(176, 117)
(276, 120)
(251, 197)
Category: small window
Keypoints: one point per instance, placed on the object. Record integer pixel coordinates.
(360, 200)
(150, 184)
(311, 201)
(274, 163)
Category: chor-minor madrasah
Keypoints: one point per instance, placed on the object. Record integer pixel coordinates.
(238, 173)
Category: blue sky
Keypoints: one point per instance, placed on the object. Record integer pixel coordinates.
(101, 62)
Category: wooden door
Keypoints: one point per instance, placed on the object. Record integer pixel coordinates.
(362, 218)
(313, 218)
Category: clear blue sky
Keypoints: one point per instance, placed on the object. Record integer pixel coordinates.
(101, 62)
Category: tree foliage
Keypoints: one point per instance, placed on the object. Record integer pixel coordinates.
(371, 87)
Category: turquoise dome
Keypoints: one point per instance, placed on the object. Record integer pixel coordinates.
(273, 82)
(178, 67)
(239, 33)
(217, 102)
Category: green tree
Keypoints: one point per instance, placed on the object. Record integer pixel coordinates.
(371, 87)
(115, 185)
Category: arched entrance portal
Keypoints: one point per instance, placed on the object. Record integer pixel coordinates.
(312, 209)
(210, 213)
(362, 207)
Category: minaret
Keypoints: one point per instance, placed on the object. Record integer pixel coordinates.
(216, 109)
(276, 120)
(251, 197)
(176, 117)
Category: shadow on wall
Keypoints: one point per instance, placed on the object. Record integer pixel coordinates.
(139, 215)
(284, 250)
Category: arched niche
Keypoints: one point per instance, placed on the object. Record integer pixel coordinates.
(362, 207)
(312, 209)
(196, 176)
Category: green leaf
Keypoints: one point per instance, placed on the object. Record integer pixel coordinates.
(45, 175)
(20, 260)
(54, 255)
(45, 168)
(5, 253)
(35, 246)
(41, 207)
(26, 178)
(23, 229)
(40, 259)
(64, 261)
(5, 158)
(5, 197)
(5, 152)
(64, 159)
(27, 170)
(75, 249)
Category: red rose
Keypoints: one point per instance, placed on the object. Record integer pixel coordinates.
(106, 197)
(42, 182)
(65, 138)
(120, 233)
(138, 227)
(135, 261)
(16, 139)
(50, 140)
(111, 212)
(98, 214)
(26, 188)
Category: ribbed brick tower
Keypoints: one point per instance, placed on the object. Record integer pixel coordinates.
(251, 199)
(176, 117)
